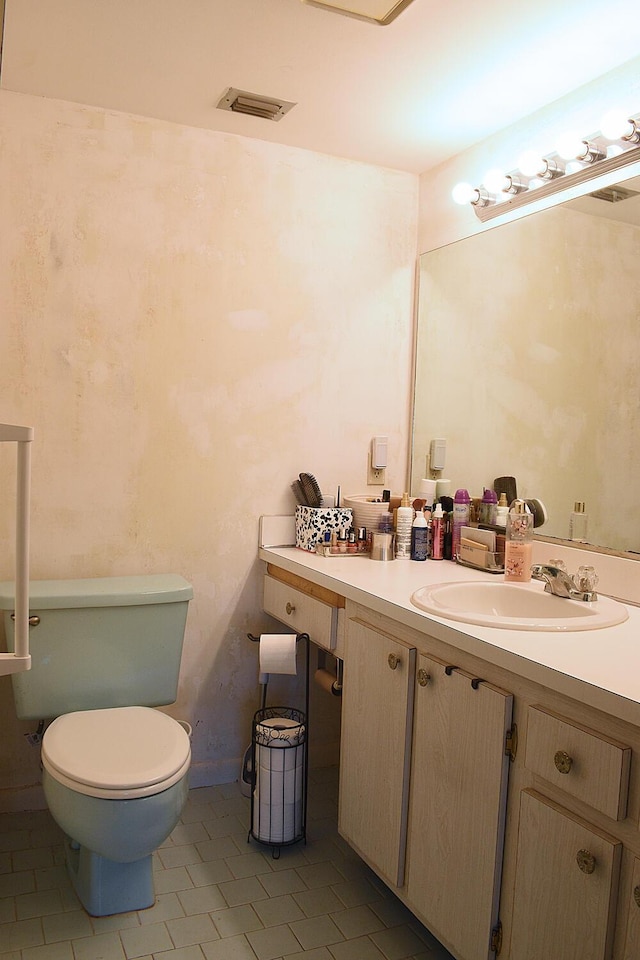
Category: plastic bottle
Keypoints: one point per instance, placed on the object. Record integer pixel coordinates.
(437, 533)
(517, 549)
(461, 510)
(488, 507)
(404, 522)
(420, 537)
(502, 511)
(578, 521)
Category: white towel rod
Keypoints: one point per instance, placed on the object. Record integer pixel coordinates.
(20, 659)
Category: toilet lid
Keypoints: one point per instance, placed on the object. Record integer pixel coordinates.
(122, 751)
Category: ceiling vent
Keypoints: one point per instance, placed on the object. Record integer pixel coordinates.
(253, 104)
(614, 194)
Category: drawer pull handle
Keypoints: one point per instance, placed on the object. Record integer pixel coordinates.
(563, 761)
(393, 660)
(423, 677)
(636, 895)
(290, 608)
(586, 861)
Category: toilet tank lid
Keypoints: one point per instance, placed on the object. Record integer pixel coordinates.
(100, 592)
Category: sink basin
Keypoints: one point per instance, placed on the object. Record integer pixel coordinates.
(511, 606)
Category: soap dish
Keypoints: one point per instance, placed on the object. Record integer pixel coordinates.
(492, 567)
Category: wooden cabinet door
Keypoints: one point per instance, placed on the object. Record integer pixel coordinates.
(566, 882)
(457, 806)
(375, 747)
(632, 941)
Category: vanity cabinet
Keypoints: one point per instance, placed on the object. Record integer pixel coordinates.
(377, 711)
(502, 810)
(632, 938)
(457, 804)
(566, 882)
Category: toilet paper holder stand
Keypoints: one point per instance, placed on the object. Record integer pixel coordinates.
(278, 838)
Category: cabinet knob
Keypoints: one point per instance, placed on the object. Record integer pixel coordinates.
(423, 677)
(393, 660)
(636, 895)
(562, 761)
(586, 861)
(290, 608)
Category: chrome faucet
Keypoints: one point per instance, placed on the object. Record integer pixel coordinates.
(560, 584)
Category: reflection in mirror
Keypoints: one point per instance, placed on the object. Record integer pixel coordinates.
(527, 361)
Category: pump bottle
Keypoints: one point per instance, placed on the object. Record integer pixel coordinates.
(437, 533)
(517, 550)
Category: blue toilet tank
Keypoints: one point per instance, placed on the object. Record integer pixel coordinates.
(108, 642)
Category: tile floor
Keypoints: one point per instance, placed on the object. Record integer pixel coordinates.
(217, 896)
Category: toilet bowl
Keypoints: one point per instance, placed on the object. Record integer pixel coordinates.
(115, 781)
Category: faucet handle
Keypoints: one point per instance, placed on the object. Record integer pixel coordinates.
(586, 579)
(559, 565)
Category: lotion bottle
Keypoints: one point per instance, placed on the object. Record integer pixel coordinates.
(420, 537)
(404, 523)
(517, 550)
(437, 533)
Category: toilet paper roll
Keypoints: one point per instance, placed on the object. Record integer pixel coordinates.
(276, 823)
(268, 759)
(279, 787)
(427, 490)
(280, 732)
(326, 681)
(278, 653)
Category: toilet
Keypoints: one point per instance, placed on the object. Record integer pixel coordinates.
(115, 774)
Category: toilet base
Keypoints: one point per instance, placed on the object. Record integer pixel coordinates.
(105, 886)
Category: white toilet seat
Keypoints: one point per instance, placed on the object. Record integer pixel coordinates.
(119, 753)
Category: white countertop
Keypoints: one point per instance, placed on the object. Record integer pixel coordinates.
(597, 667)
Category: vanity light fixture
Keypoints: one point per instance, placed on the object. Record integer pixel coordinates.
(381, 12)
(576, 160)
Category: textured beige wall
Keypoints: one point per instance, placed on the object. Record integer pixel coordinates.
(188, 319)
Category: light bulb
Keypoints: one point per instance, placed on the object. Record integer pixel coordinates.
(614, 150)
(531, 163)
(574, 166)
(570, 146)
(495, 181)
(615, 125)
(463, 193)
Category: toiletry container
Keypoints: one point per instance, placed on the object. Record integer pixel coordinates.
(488, 507)
(404, 523)
(578, 522)
(420, 537)
(437, 533)
(115, 771)
(502, 511)
(517, 549)
(461, 510)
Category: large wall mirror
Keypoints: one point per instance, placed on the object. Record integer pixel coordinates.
(528, 362)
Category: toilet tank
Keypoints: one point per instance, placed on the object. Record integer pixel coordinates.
(109, 642)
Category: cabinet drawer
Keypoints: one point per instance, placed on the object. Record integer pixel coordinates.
(301, 612)
(584, 763)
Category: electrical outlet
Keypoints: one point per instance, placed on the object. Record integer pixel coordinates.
(376, 476)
